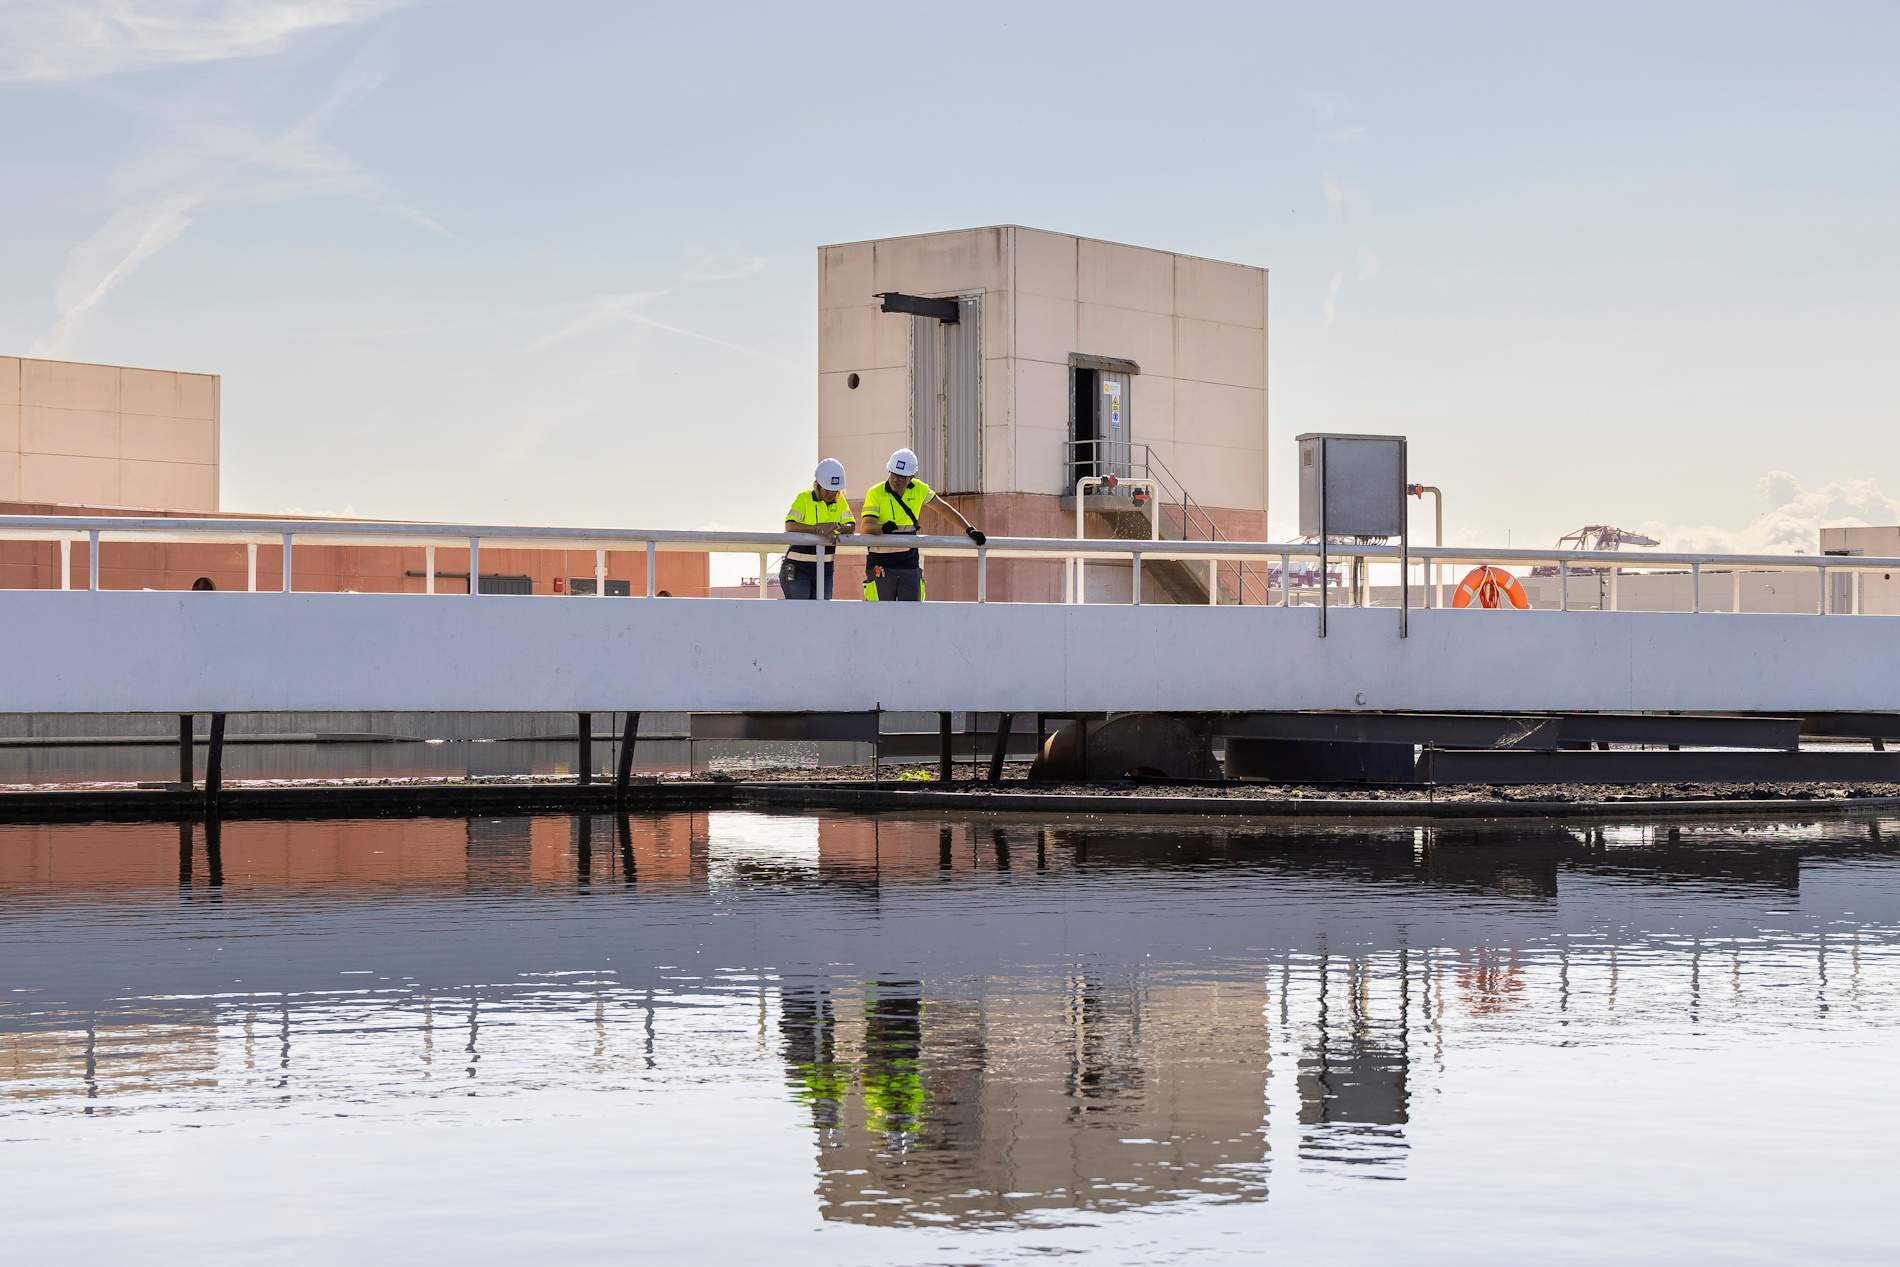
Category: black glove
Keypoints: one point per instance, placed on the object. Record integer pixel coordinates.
(976, 535)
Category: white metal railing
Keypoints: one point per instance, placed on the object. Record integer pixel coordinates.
(94, 532)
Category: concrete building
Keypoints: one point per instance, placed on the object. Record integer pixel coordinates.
(91, 439)
(1067, 357)
(107, 436)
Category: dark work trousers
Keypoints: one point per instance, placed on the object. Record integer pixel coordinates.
(799, 578)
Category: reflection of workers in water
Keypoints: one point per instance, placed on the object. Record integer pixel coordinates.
(893, 1040)
(809, 1032)
(894, 572)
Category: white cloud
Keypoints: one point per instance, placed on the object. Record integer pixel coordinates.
(103, 261)
(1335, 193)
(1368, 263)
(723, 266)
(602, 310)
(1330, 308)
(205, 156)
(1793, 519)
(64, 40)
(1346, 135)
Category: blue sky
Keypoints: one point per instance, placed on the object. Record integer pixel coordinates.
(554, 263)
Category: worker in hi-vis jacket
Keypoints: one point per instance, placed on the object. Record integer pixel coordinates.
(893, 570)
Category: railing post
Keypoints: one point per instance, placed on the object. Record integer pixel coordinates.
(1735, 588)
(428, 565)
(474, 567)
(65, 563)
(286, 567)
(818, 571)
(1821, 573)
(1563, 571)
(623, 773)
(214, 761)
(1695, 581)
(653, 570)
(250, 567)
(1286, 578)
(600, 572)
(1005, 724)
(1616, 574)
(1213, 582)
(92, 559)
(982, 574)
(1135, 558)
(184, 750)
(1855, 596)
(764, 587)
(584, 754)
(946, 753)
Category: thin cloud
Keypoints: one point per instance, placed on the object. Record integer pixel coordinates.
(1348, 135)
(1330, 308)
(1335, 193)
(723, 266)
(100, 264)
(644, 320)
(204, 160)
(1368, 263)
(602, 310)
(86, 39)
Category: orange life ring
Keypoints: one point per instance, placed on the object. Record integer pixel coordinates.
(1490, 587)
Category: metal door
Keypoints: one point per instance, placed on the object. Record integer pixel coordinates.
(946, 406)
(1112, 423)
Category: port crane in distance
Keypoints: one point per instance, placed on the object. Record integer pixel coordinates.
(1594, 537)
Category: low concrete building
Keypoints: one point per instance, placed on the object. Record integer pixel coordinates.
(105, 439)
(107, 436)
(1059, 357)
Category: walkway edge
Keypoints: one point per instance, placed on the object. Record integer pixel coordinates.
(815, 796)
(454, 800)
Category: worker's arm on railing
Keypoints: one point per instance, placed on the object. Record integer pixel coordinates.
(830, 532)
(970, 530)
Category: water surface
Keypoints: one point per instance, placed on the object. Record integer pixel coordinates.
(855, 1039)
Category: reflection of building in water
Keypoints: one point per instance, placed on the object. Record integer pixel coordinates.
(1355, 1061)
(1041, 1095)
(992, 1090)
(655, 849)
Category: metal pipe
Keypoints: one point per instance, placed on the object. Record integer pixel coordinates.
(1438, 531)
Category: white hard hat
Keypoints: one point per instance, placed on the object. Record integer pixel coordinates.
(903, 462)
(830, 475)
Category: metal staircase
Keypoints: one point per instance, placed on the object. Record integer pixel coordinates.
(1125, 512)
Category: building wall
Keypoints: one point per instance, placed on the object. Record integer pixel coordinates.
(107, 436)
(1879, 591)
(1196, 327)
